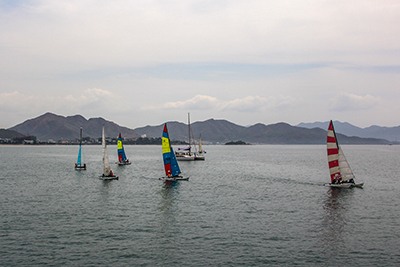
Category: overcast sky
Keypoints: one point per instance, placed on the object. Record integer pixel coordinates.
(146, 62)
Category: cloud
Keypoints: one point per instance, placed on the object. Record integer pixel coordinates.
(90, 100)
(227, 58)
(258, 104)
(352, 102)
(58, 35)
(199, 102)
(246, 104)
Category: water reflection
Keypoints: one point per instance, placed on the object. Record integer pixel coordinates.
(168, 196)
(168, 228)
(105, 188)
(334, 220)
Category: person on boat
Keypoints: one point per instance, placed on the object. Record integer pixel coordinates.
(111, 174)
(337, 179)
(76, 165)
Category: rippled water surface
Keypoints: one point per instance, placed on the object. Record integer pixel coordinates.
(242, 206)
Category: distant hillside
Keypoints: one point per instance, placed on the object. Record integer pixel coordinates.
(223, 131)
(56, 127)
(211, 130)
(388, 133)
(4, 133)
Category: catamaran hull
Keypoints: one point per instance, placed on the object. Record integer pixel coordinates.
(107, 178)
(123, 163)
(358, 185)
(185, 158)
(199, 158)
(345, 185)
(173, 179)
(80, 167)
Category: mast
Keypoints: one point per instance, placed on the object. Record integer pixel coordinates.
(189, 132)
(106, 162)
(200, 148)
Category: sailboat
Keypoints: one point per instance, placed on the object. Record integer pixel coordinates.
(107, 172)
(122, 159)
(171, 166)
(78, 164)
(201, 151)
(200, 154)
(185, 153)
(341, 174)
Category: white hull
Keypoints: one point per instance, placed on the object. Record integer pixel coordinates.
(199, 157)
(185, 158)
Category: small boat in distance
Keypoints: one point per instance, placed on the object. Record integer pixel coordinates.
(199, 155)
(122, 159)
(341, 174)
(107, 172)
(172, 170)
(78, 164)
(185, 153)
(201, 151)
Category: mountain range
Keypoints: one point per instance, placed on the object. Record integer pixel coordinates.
(56, 127)
(388, 133)
(222, 131)
(5, 133)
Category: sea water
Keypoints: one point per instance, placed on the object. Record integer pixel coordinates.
(259, 205)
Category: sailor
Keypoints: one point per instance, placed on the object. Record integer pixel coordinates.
(111, 173)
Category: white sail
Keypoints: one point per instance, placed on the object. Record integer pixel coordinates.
(106, 162)
(344, 166)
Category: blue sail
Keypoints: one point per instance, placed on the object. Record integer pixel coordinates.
(174, 164)
(120, 150)
(78, 162)
(170, 163)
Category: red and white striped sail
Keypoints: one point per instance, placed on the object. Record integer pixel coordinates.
(333, 152)
(338, 165)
